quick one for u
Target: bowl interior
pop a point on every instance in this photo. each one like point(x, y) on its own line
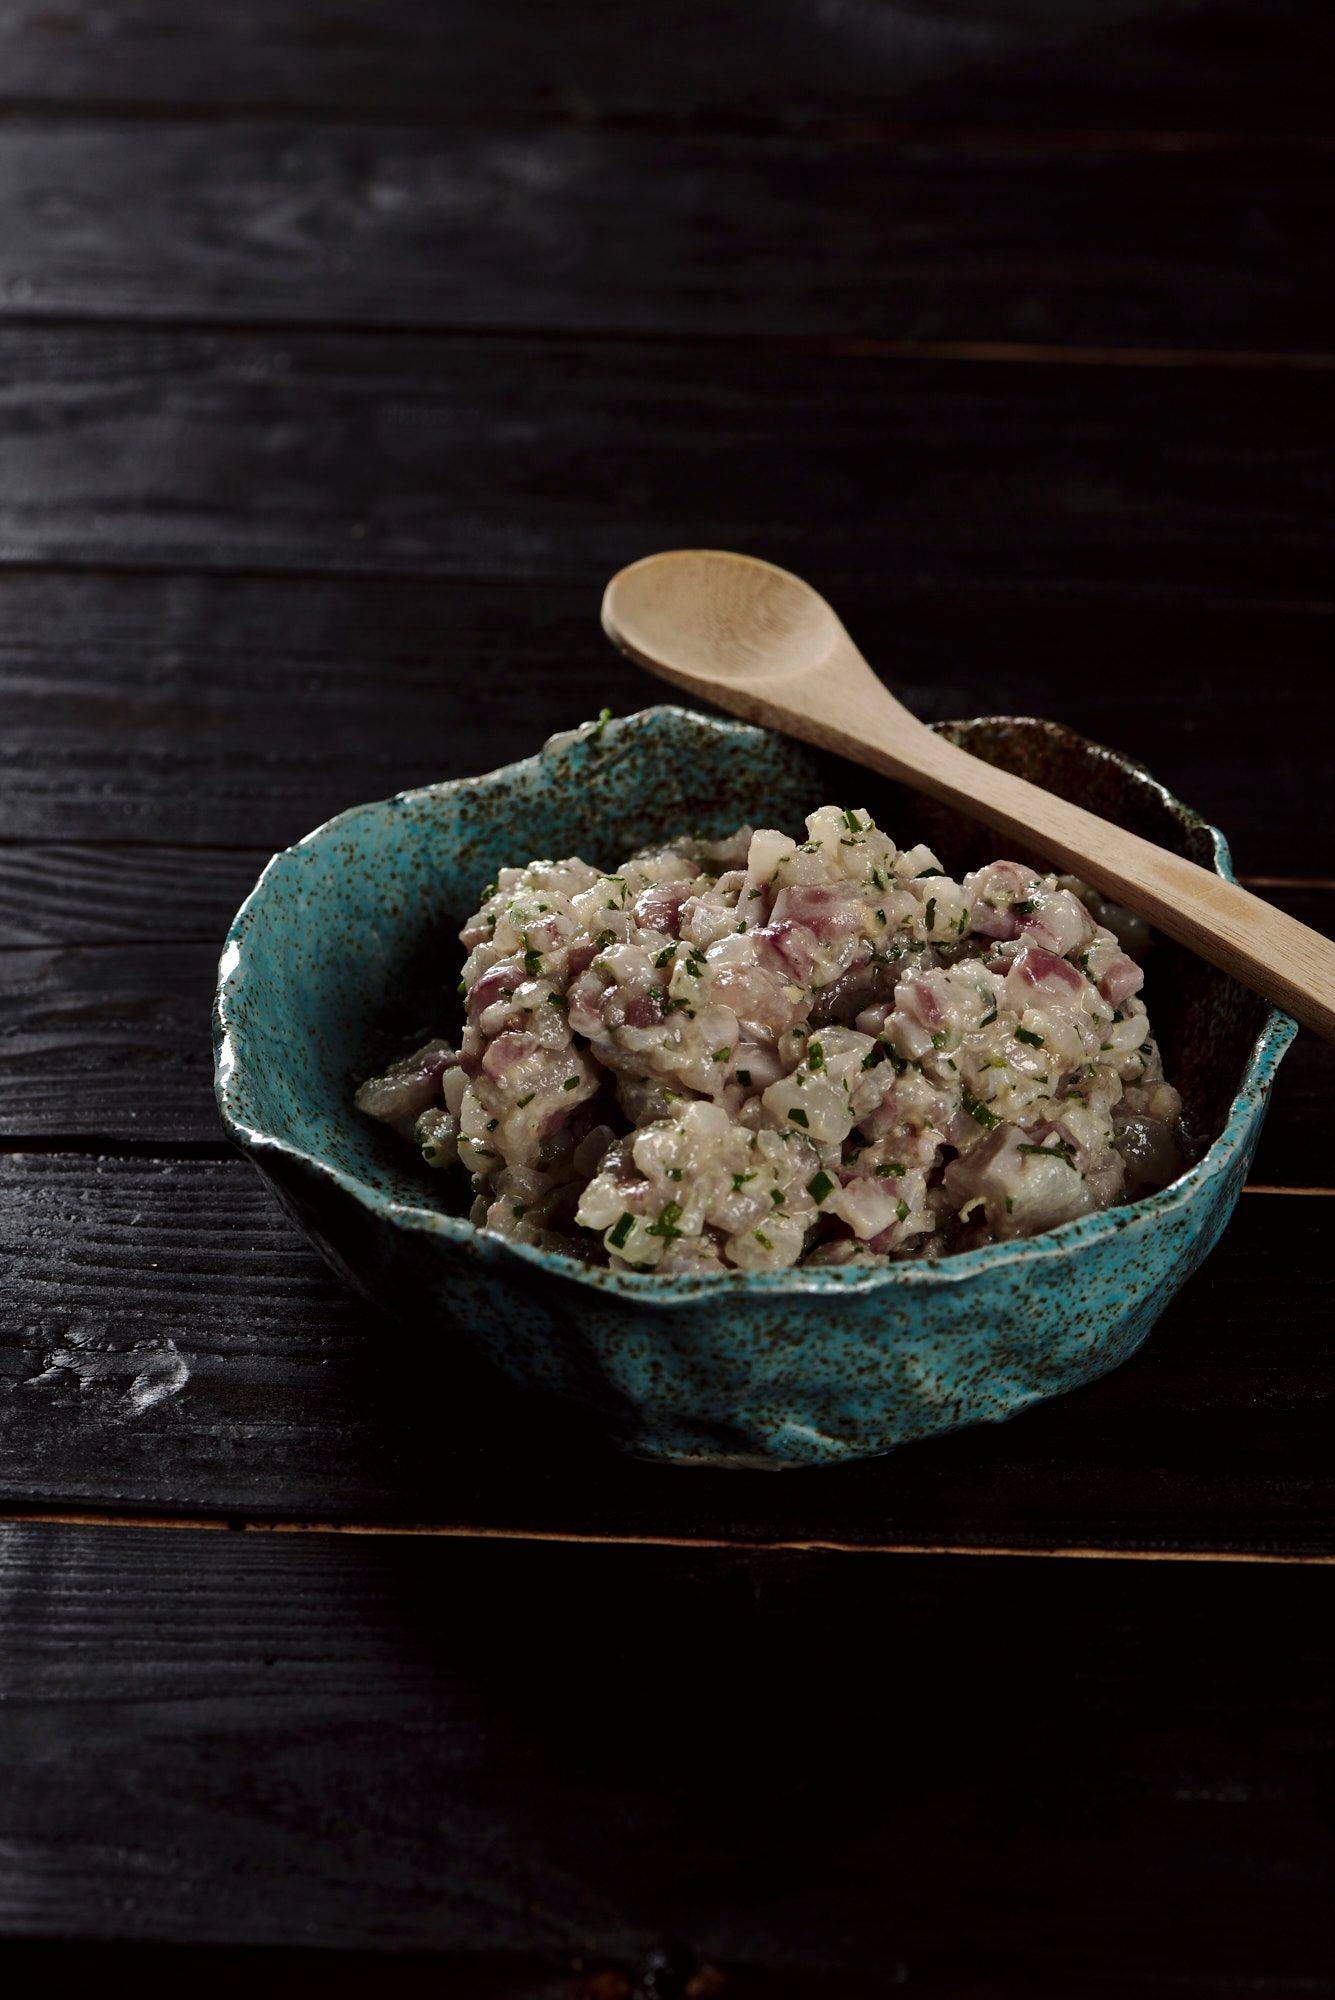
point(347, 953)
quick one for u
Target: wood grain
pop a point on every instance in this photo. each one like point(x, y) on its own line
point(1245, 64)
point(951, 1778)
point(80, 893)
point(543, 228)
point(173, 1345)
point(458, 457)
point(246, 710)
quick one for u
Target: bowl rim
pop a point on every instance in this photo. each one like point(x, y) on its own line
point(1276, 1034)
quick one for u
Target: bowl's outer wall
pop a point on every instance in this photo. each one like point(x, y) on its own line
point(349, 942)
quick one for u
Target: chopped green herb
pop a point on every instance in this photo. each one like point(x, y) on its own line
point(462, 990)
point(674, 1006)
point(929, 915)
point(1082, 960)
point(621, 1229)
point(558, 1000)
point(877, 879)
point(1057, 1152)
point(988, 1019)
point(1010, 1205)
point(763, 1240)
point(720, 1055)
point(799, 1117)
point(674, 1173)
point(604, 717)
point(492, 1123)
point(776, 1196)
point(851, 821)
point(872, 1057)
point(1034, 1041)
point(940, 1038)
point(742, 925)
point(604, 939)
point(819, 1186)
point(666, 956)
point(901, 1211)
point(526, 1099)
point(881, 917)
point(891, 1171)
point(815, 1056)
point(668, 1217)
point(739, 1181)
point(978, 1110)
point(923, 873)
point(518, 1208)
point(744, 1077)
point(571, 1083)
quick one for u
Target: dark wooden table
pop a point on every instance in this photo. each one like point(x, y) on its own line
point(346, 348)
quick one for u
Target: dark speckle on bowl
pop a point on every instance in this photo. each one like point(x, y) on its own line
point(346, 948)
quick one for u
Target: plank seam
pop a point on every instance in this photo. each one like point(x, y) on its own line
point(796, 1545)
point(1201, 600)
point(850, 131)
point(845, 347)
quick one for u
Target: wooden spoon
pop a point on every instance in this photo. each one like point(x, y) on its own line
point(762, 643)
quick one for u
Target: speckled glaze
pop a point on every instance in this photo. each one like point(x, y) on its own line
point(347, 944)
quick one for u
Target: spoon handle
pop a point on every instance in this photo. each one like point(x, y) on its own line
point(1258, 945)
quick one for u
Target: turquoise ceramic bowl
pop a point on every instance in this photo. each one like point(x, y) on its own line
point(345, 947)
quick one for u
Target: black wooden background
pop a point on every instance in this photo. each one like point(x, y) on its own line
point(345, 348)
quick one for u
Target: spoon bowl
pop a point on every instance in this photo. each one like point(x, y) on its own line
point(755, 623)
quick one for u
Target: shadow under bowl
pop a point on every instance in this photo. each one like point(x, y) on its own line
point(343, 953)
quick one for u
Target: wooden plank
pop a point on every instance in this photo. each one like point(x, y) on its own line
point(1254, 64)
point(544, 228)
point(78, 893)
point(172, 1345)
point(244, 711)
point(949, 1772)
point(104, 1042)
point(440, 456)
